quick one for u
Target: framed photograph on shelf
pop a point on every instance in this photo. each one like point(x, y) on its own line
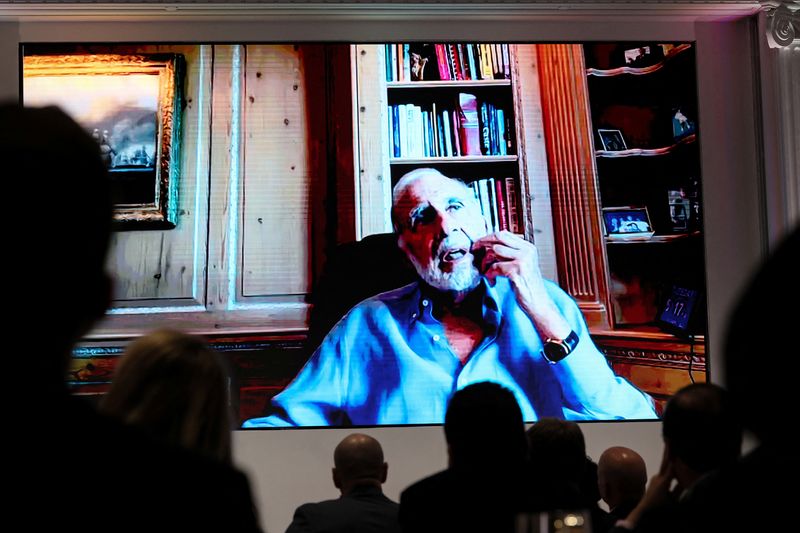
point(131, 105)
point(612, 140)
point(627, 223)
point(682, 126)
point(635, 56)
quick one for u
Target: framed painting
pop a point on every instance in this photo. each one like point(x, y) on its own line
point(131, 105)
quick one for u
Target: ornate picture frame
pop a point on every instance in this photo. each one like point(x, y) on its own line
point(132, 105)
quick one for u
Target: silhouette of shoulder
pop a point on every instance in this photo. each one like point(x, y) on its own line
point(100, 475)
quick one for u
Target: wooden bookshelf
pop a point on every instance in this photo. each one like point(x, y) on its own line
point(655, 111)
point(513, 91)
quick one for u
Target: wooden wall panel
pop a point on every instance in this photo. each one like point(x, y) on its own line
point(224, 193)
point(283, 144)
point(168, 265)
point(580, 249)
point(535, 182)
point(374, 182)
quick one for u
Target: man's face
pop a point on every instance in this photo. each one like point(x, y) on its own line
point(439, 220)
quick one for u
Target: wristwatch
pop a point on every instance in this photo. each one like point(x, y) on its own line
point(555, 350)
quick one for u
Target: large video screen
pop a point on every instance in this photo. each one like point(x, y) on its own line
point(364, 229)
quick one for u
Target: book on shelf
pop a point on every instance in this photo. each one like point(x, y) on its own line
point(486, 141)
point(511, 199)
point(467, 127)
point(400, 67)
point(495, 197)
point(494, 211)
point(486, 62)
point(406, 63)
point(468, 124)
point(502, 206)
point(500, 125)
point(447, 62)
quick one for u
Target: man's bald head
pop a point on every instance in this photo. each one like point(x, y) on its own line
point(621, 476)
point(358, 460)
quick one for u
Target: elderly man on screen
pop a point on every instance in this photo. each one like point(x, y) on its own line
point(481, 311)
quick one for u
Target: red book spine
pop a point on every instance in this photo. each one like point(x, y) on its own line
point(502, 214)
point(454, 61)
point(469, 129)
point(441, 62)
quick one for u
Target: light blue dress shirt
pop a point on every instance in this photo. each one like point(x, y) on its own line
point(388, 361)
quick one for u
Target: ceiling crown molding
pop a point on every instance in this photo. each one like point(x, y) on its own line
point(783, 22)
point(685, 10)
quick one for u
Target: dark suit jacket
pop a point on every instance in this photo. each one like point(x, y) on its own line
point(365, 509)
point(463, 501)
point(71, 468)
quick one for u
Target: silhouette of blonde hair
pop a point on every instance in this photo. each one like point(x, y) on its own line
point(175, 387)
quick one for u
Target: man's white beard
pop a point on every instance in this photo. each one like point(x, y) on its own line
point(463, 278)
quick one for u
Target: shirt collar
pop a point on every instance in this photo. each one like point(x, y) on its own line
point(424, 300)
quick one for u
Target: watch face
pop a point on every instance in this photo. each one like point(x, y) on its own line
point(554, 351)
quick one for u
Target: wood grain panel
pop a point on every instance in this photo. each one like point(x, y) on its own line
point(225, 174)
point(169, 265)
point(374, 176)
point(280, 147)
point(534, 177)
point(580, 252)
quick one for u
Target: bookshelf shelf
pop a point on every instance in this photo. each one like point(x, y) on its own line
point(655, 239)
point(480, 159)
point(647, 152)
point(447, 84)
point(638, 71)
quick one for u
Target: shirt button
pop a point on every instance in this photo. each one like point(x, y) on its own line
point(436, 338)
point(425, 303)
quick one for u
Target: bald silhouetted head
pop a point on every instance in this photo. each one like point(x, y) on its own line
point(621, 476)
point(358, 461)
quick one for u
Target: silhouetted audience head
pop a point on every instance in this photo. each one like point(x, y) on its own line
point(621, 476)
point(175, 387)
point(701, 429)
point(557, 448)
point(358, 461)
point(484, 428)
point(761, 363)
point(62, 181)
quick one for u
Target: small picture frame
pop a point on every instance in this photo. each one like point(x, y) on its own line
point(682, 125)
point(627, 223)
point(636, 55)
point(612, 140)
point(679, 210)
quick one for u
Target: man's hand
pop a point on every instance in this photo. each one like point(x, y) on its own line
point(515, 258)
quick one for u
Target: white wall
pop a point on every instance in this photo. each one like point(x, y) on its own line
point(290, 467)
